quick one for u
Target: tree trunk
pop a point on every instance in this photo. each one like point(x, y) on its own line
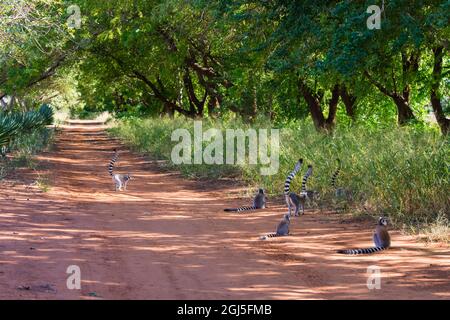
point(212, 105)
point(404, 112)
point(349, 102)
point(196, 106)
point(410, 66)
point(254, 109)
point(159, 95)
point(168, 111)
point(313, 105)
point(443, 122)
point(313, 101)
point(330, 122)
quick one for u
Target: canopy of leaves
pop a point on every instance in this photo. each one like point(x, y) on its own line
point(283, 59)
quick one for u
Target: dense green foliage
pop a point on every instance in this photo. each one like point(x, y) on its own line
point(23, 148)
point(14, 124)
point(400, 171)
point(282, 59)
point(376, 98)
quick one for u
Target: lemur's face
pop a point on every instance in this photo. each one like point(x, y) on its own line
point(383, 221)
point(287, 217)
point(261, 191)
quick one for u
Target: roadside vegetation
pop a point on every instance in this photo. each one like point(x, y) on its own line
point(22, 135)
point(402, 172)
point(377, 98)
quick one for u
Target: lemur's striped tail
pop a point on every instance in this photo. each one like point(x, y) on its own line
point(270, 235)
point(305, 178)
point(361, 251)
point(112, 162)
point(335, 174)
point(241, 209)
point(287, 183)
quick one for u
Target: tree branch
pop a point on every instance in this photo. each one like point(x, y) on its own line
point(380, 87)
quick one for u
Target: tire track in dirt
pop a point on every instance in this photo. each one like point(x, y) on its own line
point(168, 238)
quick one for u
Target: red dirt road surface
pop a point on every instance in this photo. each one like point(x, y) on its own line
point(168, 238)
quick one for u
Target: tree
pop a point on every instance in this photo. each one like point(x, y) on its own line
point(32, 43)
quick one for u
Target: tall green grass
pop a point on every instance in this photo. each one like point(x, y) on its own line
point(23, 148)
point(30, 144)
point(402, 172)
point(23, 133)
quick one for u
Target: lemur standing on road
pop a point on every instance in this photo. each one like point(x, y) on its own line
point(120, 180)
point(339, 192)
point(300, 200)
point(287, 185)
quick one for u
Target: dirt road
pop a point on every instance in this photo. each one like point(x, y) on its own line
point(168, 238)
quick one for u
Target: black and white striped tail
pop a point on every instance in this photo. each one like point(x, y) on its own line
point(112, 162)
point(241, 209)
point(361, 251)
point(270, 235)
point(287, 183)
point(335, 174)
point(305, 178)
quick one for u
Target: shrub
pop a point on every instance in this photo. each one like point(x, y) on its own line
point(403, 172)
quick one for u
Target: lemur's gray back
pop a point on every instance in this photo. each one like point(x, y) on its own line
point(287, 183)
point(282, 228)
point(299, 201)
point(120, 180)
point(381, 239)
point(259, 202)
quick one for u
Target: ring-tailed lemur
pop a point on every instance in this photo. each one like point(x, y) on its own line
point(259, 202)
point(120, 180)
point(310, 194)
point(335, 174)
point(339, 192)
point(299, 200)
point(287, 183)
point(381, 239)
point(282, 228)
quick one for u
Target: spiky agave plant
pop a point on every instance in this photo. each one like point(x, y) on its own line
point(46, 113)
point(13, 124)
point(28, 120)
point(9, 128)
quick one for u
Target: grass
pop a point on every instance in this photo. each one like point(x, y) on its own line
point(23, 149)
point(438, 230)
point(399, 172)
point(43, 183)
